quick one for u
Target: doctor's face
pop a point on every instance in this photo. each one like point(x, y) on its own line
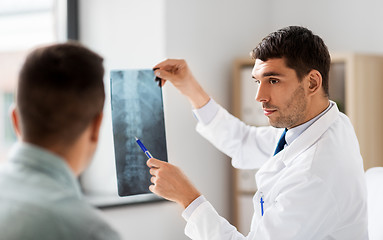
point(281, 93)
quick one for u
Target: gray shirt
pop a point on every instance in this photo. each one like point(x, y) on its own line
point(41, 199)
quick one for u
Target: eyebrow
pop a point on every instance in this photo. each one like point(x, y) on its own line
point(269, 74)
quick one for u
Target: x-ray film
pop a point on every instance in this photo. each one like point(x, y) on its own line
point(137, 111)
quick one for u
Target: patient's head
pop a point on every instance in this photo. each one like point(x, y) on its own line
point(60, 92)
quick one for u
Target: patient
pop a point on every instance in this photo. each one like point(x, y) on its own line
point(57, 118)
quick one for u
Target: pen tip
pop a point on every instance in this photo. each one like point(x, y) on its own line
point(136, 138)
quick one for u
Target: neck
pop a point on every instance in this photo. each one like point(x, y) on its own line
point(70, 155)
point(53, 147)
point(75, 154)
point(317, 108)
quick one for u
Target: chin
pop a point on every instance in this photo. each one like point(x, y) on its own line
point(274, 124)
point(281, 122)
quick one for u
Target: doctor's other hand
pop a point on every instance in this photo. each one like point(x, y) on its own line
point(178, 73)
point(170, 183)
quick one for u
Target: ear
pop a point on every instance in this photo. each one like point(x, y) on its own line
point(15, 120)
point(314, 82)
point(95, 128)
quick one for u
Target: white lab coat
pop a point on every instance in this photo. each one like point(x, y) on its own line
point(313, 189)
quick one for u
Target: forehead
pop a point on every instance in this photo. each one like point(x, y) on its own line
point(273, 66)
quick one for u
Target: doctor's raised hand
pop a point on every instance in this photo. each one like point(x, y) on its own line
point(178, 73)
point(170, 183)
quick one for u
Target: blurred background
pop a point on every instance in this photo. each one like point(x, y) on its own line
point(210, 35)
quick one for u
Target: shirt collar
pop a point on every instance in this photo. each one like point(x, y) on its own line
point(293, 133)
point(45, 162)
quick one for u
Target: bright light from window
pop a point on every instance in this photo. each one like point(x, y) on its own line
point(24, 24)
point(20, 32)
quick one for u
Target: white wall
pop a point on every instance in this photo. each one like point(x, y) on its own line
point(344, 25)
point(209, 34)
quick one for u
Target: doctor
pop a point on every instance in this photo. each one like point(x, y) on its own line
point(311, 179)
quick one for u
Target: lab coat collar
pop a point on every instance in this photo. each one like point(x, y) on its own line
point(310, 135)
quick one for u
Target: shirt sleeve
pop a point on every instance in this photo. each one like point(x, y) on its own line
point(206, 224)
point(248, 146)
point(205, 114)
point(192, 207)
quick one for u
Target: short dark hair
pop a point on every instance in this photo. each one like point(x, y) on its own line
point(60, 91)
point(302, 50)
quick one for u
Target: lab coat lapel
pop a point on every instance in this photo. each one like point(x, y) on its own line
point(310, 136)
point(285, 157)
point(275, 164)
point(268, 170)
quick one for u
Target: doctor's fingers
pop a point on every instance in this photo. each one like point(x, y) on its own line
point(172, 70)
point(167, 75)
point(154, 171)
point(154, 163)
point(171, 65)
point(153, 180)
point(156, 186)
point(164, 173)
point(163, 81)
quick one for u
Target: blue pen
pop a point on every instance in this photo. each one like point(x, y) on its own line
point(262, 202)
point(143, 148)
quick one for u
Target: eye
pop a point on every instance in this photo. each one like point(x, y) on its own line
point(273, 81)
point(257, 81)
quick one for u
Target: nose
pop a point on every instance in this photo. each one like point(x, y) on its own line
point(262, 93)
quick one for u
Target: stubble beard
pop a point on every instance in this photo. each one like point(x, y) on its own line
point(294, 112)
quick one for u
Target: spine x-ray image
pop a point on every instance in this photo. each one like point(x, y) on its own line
point(137, 111)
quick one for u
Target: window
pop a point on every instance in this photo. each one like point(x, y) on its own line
point(24, 24)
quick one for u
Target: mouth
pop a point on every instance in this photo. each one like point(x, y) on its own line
point(268, 112)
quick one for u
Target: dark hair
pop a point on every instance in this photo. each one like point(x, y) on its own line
point(302, 50)
point(60, 92)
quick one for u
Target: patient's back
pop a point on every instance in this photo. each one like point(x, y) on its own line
point(40, 199)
